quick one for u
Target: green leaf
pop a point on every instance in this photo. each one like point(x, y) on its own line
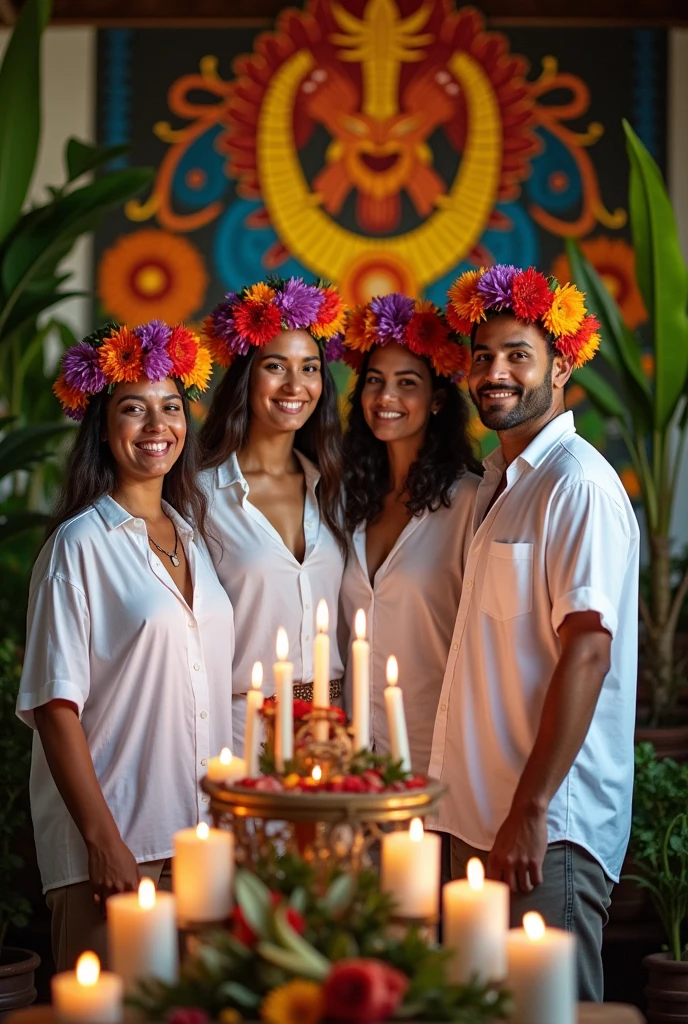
point(662, 275)
point(239, 994)
point(253, 896)
point(29, 307)
point(601, 394)
point(80, 157)
point(23, 448)
point(619, 346)
point(14, 523)
point(20, 103)
point(340, 894)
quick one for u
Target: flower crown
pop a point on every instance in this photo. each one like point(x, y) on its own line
point(531, 297)
point(418, 324)
point(115, 353)
point(256, 314)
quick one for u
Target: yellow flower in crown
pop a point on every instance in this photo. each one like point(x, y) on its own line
point(566, 313)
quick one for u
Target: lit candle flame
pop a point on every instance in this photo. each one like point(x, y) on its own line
point(534, 926)
point(282, 644)
point(226, 756)
point(392, 671)
point(146, 894)
point(88, 969)
point(360, 624)
point(476, 874)
point(257, 676)
point(316, 774)
point(416, 831)
point(202, 830)
point(322, 617)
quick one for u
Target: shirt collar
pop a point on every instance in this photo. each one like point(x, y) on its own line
point(539, 448)
point(230, 472)
point(115, 516)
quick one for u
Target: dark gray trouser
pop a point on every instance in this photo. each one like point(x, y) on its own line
point(574, 895)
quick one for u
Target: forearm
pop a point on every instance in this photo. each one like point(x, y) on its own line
point(69, 759)
point(566, 716)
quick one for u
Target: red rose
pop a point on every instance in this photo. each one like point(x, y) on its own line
point(363, 991)
point(187, 1015)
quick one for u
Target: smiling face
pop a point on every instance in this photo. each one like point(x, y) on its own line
point(145, 428)
point(286, 381)
point(514, 376)
point(398, 398)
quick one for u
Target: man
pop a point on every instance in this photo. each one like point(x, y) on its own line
point(534, 731)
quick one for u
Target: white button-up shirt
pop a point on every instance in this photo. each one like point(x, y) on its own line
point(411, 610)
point(561, 538)
point(150, 677)
point(267, 585)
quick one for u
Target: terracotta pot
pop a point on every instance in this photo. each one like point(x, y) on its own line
point(671, 742)
point(17, 967)
point(666, 990)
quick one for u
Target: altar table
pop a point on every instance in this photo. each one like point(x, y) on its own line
point(588, 1013)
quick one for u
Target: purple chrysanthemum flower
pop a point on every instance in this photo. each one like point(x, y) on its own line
point(223, 325)
point(152, 335)
point(299, 303)
point(157, 363)
point(495, 286)
point(334, 348)
point(82, 369)
point(393, 312)
point(74, 414)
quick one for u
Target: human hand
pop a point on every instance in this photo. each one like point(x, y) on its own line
point(112, 868)
point(519, 850)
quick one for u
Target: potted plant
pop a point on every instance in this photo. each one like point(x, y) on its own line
point(651, 416)
point(17, 966)
point(659, 849)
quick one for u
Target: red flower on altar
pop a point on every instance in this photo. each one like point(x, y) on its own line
point(531, 295)
point(363, 991)
point(258, 321)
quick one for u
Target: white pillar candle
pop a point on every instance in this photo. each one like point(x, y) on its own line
point(410, 871)
point(283, 671)
point(360, 656)
point(142, 935)
point(226, 768)
point(475, 924)
point(203, 874)
point(396, 720)
point(87, 995)
point(254, 702)
point(541, 973)
point(321, 668)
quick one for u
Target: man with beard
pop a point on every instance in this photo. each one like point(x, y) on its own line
point(534, 731)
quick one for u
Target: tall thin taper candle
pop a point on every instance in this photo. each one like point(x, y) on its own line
point(394, 700)
point(284, 692)
point(321, 668)
point(254, 702)
point(360, 655)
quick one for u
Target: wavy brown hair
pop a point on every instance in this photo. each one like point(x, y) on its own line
point(91, 470)
point(226, 428)
point(445, 455)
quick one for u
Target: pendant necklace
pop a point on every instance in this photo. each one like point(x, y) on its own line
point(172, 555)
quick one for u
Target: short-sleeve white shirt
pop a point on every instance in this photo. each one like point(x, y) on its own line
point(267, 585)
point(109, 631)
point(411, 610)
point(561, 538)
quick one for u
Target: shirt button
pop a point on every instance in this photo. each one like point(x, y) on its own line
point(307, 638)
point(455, 647)
point(192, 624)
point(138, 523)
point(443, 707)
point(309, 522)
point(205, 799)
point(203, 761)
point(197, 667)
point(308, 607)
point(469, 584)
point(204, 714)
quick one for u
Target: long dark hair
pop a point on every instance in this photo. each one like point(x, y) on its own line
point(226, 427)
point(445, 455)
point(91, 470)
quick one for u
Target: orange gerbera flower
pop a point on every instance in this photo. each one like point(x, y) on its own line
point(566, 313)
point(465, 301)
point(217, 347)
point(361, 332)
point(331, 315)
point(451, 360)
point(120, 356)
point(183, 349)
point(425, 331)
point(71, 398)
point(260, 292)
point(199, 376)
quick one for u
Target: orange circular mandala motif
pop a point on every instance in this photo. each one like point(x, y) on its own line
point(152, 274)
point(614, 261)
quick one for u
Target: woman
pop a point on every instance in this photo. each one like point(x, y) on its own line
point(130, 634)
point(271, 447)
point(410, 480)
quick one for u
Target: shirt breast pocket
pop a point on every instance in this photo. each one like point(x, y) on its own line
point(508, 585)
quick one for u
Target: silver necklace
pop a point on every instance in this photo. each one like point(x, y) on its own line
point(172, 555)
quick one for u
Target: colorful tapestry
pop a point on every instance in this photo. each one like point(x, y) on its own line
point(383, 144)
